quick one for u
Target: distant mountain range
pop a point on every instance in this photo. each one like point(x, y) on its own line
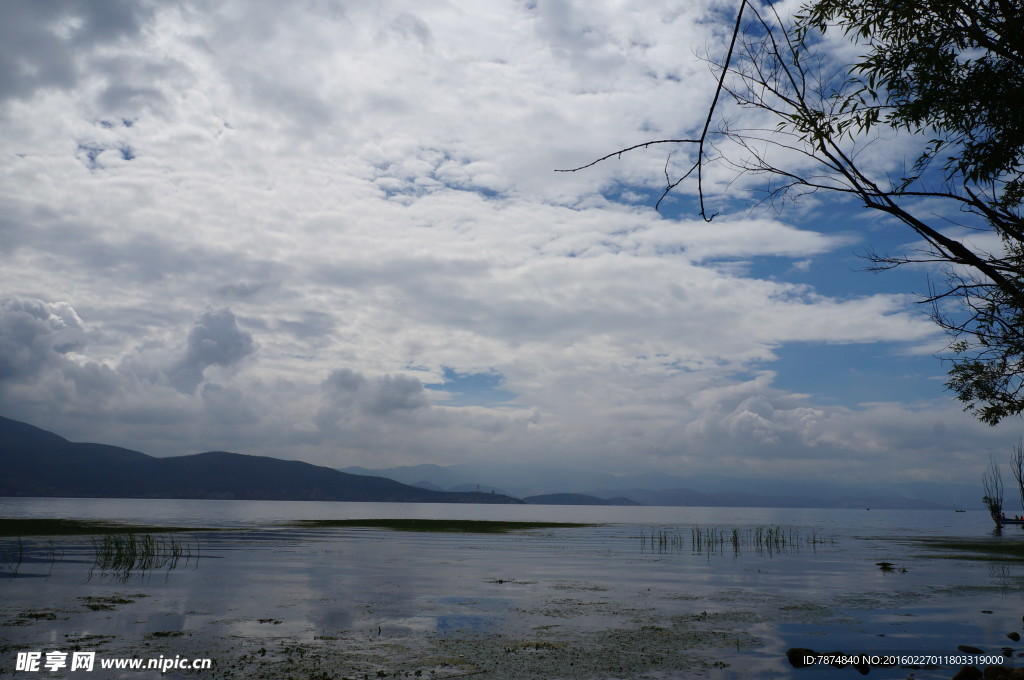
point(34, 462)
point(530, 482)
point(575, 499)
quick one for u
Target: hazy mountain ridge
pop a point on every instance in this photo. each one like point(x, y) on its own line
point(662, 489)
point(39, 463)
point(575, 499)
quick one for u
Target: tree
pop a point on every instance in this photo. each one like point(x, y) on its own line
point(992, 484)
point(1017, 467)
point(948, 72)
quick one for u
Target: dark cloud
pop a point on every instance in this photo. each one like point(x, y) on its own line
point(35, 335)
point(127, 97)
point(310, 325)
point(41, 42)
point(394, 393)
point(242, 290)
point(228, 405)
point(215, 340)
point(349, 396)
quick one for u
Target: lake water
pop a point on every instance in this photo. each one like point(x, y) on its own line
point(634, 597)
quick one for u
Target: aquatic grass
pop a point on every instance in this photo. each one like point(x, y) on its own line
point(708, 540)
point(970, 548)
point(75, 527)
point(124, 549)
point(53, 554)
point(126, 554)
point(462, 526)
point(12, 555)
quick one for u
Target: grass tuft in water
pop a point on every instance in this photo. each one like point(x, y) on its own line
point(12, 555)
point(125, 554)
point(771, 539)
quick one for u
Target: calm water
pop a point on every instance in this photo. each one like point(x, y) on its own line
point(500, 603)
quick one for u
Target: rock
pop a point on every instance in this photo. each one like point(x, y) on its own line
point(967, 649)
point(796, 656)
point(1017, 674)
point(1014, 635)
point(997, 671)
point(968, 673)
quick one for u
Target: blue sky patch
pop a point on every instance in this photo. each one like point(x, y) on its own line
point(473, 389)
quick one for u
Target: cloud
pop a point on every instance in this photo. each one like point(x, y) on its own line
point(35, 335)
point(215, 340)
point(45, 361)
point(265, 227)
point(41, 43)
point(348, 393)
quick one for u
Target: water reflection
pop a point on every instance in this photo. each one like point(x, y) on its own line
point(16, 553)
point(116, 557)
point(567, 594)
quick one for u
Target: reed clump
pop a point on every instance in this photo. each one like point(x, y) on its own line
point(709, 540)
point(127, 554)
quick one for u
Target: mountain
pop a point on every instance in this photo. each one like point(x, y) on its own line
point(516, 480)
point(575, 499)
point(40, 463)
point(735, 499)
point(708, 490)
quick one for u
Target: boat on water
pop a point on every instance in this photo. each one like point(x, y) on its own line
point(1004, 520)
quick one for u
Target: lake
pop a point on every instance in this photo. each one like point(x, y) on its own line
point(650, 592)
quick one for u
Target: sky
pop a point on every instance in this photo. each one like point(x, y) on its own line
point(332, 232)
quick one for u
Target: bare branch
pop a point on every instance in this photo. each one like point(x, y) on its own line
point(618, 154)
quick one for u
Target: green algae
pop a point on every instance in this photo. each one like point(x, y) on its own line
point(75, 527)
point(985, 549)
point(461, 526)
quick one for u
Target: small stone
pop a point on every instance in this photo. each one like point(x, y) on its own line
point(967, 649)
point(997, 671)
point(1014, 635)
point(796, 656)
point(968, 673)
